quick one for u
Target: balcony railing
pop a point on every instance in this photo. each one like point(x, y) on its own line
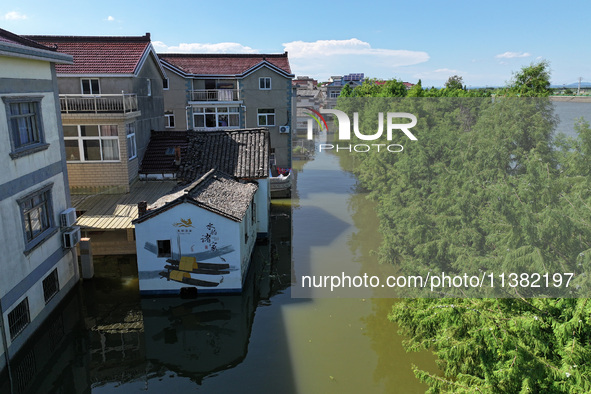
point(104, 103)
point(214, 95)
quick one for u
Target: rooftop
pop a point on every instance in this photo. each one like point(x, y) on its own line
point(241, 153)
point(21, 46)
point(223, 64)
point(160, 154)
point(116, 211)
point(99, 54)
point(215, 191)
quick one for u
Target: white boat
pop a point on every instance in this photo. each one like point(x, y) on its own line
point(280, 185)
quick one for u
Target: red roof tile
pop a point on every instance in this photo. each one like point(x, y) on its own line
point(223, 64)
point(98, 55)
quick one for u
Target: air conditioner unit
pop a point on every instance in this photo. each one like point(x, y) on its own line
point(68, 217)
point(71, 237)
point(284, 129)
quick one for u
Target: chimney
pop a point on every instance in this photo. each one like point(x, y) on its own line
point(142, 208)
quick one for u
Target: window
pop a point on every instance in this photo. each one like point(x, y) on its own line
point(90, 86)
point(266, 117)
point(149, 82)
point(265, 83)
point(164, 248)
point(25, 125)
point(19, 318)
point(51, 286)
point(92, 143)
point(131, 146)
point(216, 117)
point(165, 84)
point(334, 94)
point(37, 215)
point(169, 117)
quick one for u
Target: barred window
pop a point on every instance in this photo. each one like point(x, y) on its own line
point(19, 318)
point(50, 286)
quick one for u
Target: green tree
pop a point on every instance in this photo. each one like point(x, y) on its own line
point(454, 82)
point(531, 81)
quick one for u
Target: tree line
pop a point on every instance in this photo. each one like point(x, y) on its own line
point(487, 187)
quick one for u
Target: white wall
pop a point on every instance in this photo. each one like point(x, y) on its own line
point(230, 247)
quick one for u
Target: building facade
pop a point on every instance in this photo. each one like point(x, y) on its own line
point(111, 97)
point(215, 92)
point(39, 262)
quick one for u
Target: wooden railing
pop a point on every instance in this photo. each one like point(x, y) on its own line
point(104, 103)
point(214, 95)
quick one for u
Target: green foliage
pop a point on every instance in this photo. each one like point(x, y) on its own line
point(454, 82)
point(486, 188)
point(531, 81)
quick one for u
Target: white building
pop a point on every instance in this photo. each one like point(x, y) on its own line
point(37, 268)
point(199, 236)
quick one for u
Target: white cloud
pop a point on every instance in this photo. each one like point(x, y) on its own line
point(14, 16)
point(512, 55)
point(323, 58)
point(110, 18)
point(222, 47)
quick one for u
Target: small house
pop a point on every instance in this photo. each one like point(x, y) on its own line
point(199, 236)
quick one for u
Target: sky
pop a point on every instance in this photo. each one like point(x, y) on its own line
point(484, 42)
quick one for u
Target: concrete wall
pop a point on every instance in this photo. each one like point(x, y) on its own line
point(176, 98)
point(279, 97)
point(23, 270)
point(103, 177)
point(151, 106)
point(107, 85)
point(229, 244)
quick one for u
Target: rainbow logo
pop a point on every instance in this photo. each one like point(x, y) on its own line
point(317, 118)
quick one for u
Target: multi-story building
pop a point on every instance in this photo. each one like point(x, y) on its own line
point(111, 97)
point(219, 91)
point(39, 262)
point(336, 84)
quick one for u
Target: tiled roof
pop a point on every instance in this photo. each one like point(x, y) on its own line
point(98, 55)
point(6, 36)
point(241, 153)
point(215, 191)
point(160, 154)
point(223, 64)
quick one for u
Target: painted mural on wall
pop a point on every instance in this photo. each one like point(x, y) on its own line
point(201, 254)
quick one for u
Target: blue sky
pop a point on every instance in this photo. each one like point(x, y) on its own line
point(484, 42)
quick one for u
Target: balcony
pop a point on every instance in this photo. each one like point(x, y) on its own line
point(104, 103)
point(203, 95)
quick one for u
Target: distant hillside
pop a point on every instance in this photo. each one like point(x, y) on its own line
point(573, 85)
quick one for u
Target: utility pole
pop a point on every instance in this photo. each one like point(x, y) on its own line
point(579, 89)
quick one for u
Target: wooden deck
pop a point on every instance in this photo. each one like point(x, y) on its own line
point(116, 211)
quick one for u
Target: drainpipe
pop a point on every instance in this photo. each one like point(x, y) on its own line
point(187, 115)
point(5, 345)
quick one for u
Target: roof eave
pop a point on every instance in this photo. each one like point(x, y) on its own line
point(22, 51)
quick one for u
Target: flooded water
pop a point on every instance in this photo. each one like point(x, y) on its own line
point(263, 341)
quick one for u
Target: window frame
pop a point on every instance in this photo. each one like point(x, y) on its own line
point(266, 116)
point(91, 91)
point(168, 117)
point(50, 229)
point(165, 84)
point(130, 138)
point(265, 83)
point(22, 149)
point(149, 86)
point(15, 331)
point(217, 114)
point(51, 286)
point(163, 248)
point(80, 139)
